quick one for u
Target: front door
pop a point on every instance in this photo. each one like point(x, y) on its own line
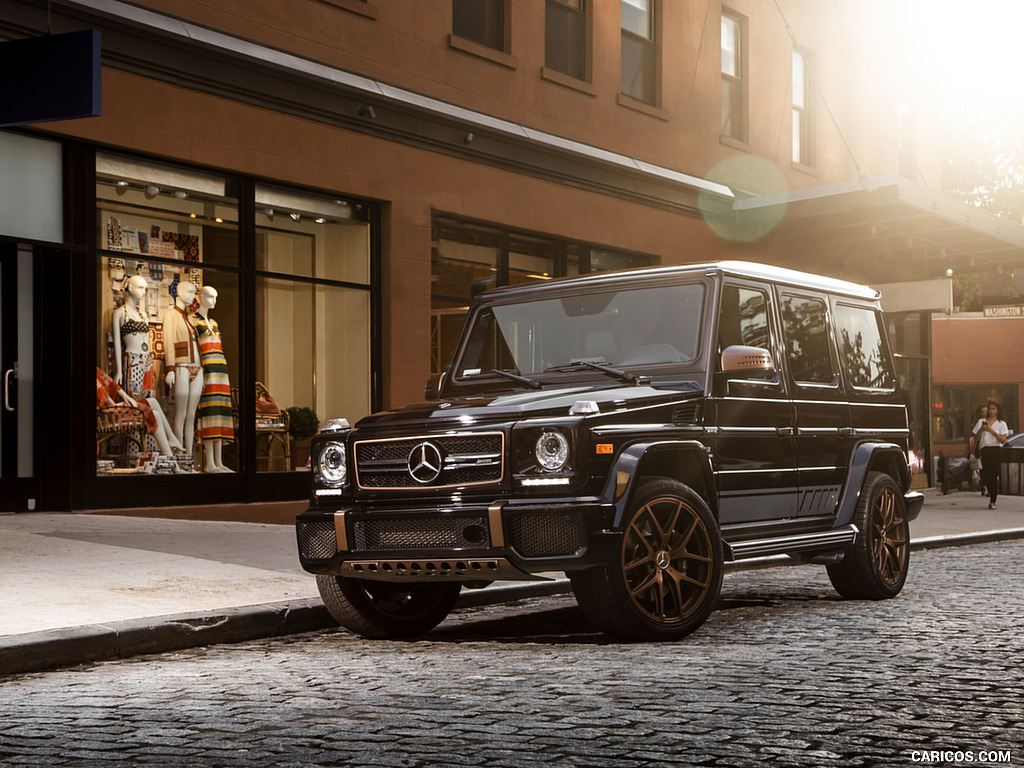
point(19, 486)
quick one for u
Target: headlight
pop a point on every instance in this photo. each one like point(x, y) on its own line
point(552, 450)
point(331, 464)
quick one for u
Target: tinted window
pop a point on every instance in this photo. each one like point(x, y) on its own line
point(807, 348)
point(743, 318)
point(864, 356)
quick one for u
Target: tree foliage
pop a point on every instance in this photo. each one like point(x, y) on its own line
point(984, 160)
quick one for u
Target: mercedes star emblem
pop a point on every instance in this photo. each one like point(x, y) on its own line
point(425, 463)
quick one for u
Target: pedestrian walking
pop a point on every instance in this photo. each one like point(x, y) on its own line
point(989, 435)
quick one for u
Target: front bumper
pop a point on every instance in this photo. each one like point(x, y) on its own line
point(505, 540)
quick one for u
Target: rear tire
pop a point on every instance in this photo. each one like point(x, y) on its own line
point(875, 565)
point(668, 574)
point(384, 609)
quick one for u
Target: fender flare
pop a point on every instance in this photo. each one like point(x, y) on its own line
point(864, 455)
point(623, 477)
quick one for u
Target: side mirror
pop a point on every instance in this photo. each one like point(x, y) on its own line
point(433, 388)
point(741, 362)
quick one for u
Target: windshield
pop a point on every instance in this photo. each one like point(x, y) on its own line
point(643, 326)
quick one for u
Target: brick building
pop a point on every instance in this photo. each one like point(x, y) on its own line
point(345, 174)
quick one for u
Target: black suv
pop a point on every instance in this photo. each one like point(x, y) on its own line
point(635, 430)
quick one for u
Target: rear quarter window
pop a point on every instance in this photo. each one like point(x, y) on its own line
point(862, 350)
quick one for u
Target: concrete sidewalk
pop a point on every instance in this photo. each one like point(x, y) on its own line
point(82, 587)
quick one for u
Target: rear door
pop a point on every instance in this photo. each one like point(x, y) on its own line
point(823, 429)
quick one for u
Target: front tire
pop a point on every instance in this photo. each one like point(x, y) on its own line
point(383, 609)
point(875, 566)
point(668, 573)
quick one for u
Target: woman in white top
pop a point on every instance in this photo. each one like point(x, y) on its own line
point(990, 433)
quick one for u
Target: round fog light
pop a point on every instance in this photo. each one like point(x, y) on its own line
point(552, 450)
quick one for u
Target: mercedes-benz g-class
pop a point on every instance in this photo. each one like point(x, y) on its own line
point(636, 431)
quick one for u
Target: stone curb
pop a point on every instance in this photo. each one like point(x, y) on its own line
point(38, 651)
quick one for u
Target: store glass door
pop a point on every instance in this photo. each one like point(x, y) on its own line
point(19, 487)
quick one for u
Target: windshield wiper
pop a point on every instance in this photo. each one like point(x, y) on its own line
point(618, 373)
point(531, 383)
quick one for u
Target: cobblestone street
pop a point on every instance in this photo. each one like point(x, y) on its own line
point(784, 673)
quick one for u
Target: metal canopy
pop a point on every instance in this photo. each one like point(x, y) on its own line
point(887, 227)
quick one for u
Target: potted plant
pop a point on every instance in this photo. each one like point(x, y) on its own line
point(302, 425)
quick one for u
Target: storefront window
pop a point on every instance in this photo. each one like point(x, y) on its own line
point(171, 341)
point(469, 258)
point(313, 320)
point(168, 320)
point(955, 410)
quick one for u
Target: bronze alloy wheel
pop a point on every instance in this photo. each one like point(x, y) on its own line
point(875, 566)
point(666, 579)
point(666, 560)
point(889, 533)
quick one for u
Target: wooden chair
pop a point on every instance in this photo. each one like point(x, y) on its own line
point(120, 421)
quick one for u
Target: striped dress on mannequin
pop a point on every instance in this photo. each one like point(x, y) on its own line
point(214, 417)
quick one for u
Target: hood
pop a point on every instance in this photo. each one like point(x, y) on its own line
point(479, 410)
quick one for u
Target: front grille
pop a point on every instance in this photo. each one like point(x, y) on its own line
point(546, 534)
point(465, 459)
point(317, 540)
point(436, 532)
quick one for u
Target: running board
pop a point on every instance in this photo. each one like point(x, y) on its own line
point(784, 545)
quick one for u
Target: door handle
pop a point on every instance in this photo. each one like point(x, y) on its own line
point(7, 387)
point(785, 431)
point(847, 431)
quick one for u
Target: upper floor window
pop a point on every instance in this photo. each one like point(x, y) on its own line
point(640, 50)
point(803, 115)
point(734, 89)
point(565, 37)
point(481, 21)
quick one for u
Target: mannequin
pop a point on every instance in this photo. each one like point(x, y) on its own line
point(216, 422)
point(184, 371)
point(133, 363)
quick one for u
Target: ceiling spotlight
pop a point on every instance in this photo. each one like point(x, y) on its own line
point(152, 191)
point(295, 216)
point(180, 194)
point(367, 111)
point(949, 272)
point(269, 213)
point(321, 220)
point(120, 187)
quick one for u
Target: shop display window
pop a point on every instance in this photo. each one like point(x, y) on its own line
point(168, 320)
point(313, 320)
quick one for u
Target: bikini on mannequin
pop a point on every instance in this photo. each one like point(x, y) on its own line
point(133, 363)
point(184, 370)
point(216, 424)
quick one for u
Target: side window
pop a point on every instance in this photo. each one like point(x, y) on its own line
point(744, 318)
point(865, 359)
point(807, 345)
